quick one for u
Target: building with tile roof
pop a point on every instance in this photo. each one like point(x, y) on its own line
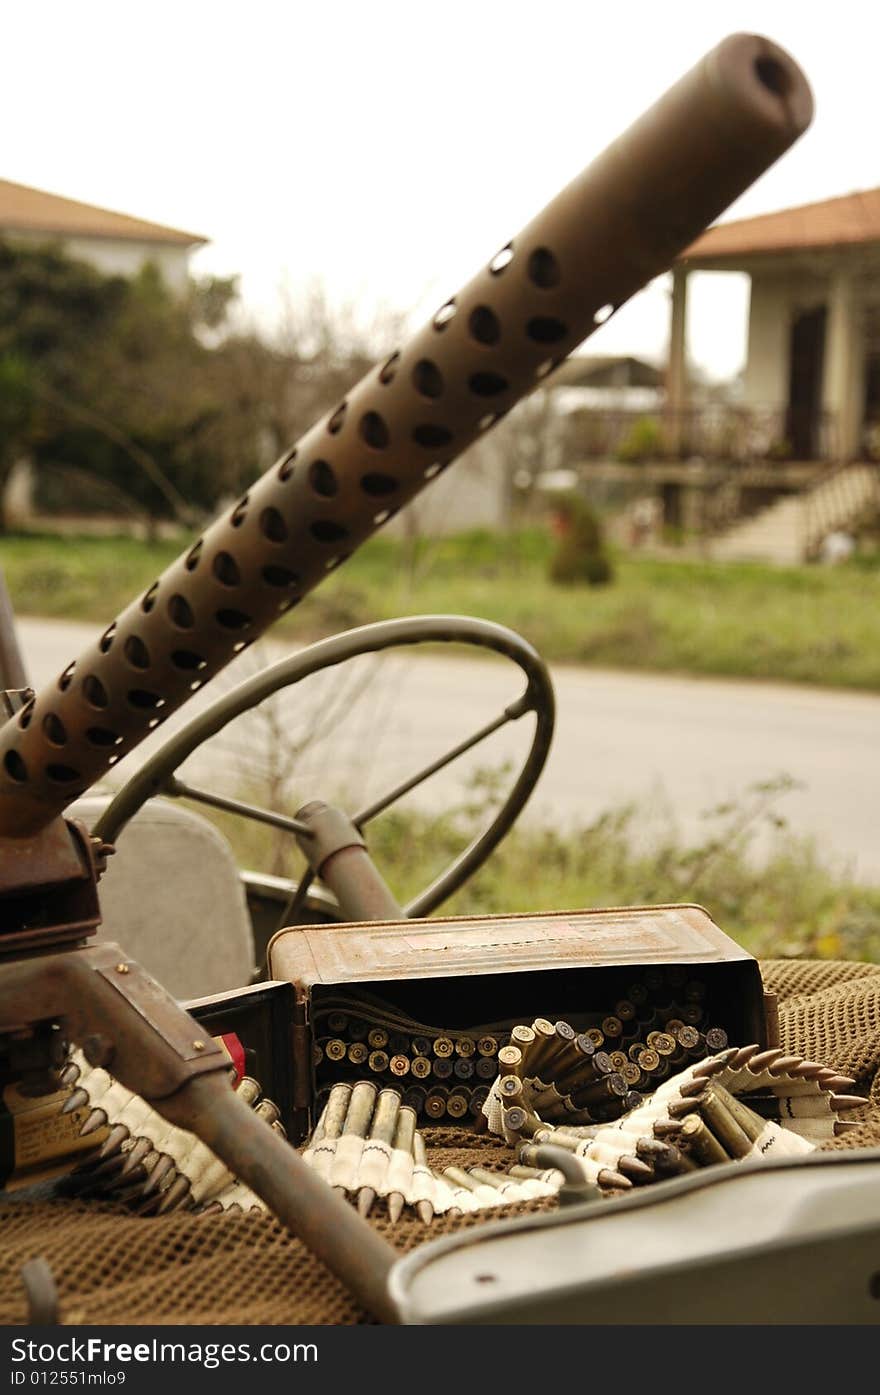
point(814, 321)
point(115, 243)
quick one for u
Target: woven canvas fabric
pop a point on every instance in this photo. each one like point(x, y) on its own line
point(113, 1267)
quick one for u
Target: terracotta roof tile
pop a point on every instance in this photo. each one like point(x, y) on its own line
point(844, 221)
point(33, 210)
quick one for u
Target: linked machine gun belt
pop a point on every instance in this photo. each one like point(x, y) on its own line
point(620, 223)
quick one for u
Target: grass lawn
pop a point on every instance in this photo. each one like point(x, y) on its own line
point(791, 901)
point(803, 624)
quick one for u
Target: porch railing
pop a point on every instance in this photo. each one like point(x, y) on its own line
point(712, 433)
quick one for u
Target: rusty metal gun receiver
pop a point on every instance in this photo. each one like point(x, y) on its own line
point(617, 225)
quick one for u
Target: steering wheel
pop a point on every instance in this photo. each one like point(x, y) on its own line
point(158, 774)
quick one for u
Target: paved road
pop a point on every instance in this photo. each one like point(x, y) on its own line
point(676, 745)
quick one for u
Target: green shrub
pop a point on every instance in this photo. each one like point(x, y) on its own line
point(580, 552)
point(644, 440)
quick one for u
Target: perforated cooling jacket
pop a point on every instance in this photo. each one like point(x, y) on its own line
point(619, 223)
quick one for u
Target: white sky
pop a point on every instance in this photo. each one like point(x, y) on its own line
point(389, 148)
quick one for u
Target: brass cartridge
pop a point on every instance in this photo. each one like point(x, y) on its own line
point(360, 1109)
point(544, 1047)
point(334, 1113)
point(702, 1143)
point(750, 1123)
point(724, 1126)
point(457, 1106)
point(414, 1098)
point(435, 1103)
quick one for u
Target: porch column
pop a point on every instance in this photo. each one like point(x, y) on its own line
point(842, 371)
point(676, 368)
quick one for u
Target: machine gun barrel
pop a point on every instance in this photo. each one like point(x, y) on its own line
point(617, 225)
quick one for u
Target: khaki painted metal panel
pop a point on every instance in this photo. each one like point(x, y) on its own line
point(439, 948)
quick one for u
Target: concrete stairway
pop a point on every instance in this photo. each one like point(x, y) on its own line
point(789, 531)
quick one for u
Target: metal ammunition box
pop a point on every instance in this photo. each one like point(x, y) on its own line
point(459, 973)
point(263, 1019)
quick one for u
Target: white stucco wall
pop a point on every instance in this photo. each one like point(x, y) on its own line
point(774, 303)
point(771, 308)
point(121, 256)
point(470, 494)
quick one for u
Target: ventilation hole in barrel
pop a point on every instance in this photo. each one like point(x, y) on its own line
point(193, 557)
point(446, 313)
point(377, 485)
point(322, 477)
point(62, 774)
point(149, 599)
point(488, 420)
point(374, 430)
point(15, 767)
point(25, 715)
point(544, 368)
point(102, 736)
point(180, 613)
point(432, 436)
point(501, 260)
point(427, 378)
point(773, 75)
point(94, 691)
point(188, 660)
point(487, 384)
point(388, 369)
point(325, 530)
point(285, 469)
point(198, 683)
point(383, 516)
point(272, 526)
point(484, 325)
point(66, 678)
point(136, 652)
point(543, 268)
point(602, 314)
point(111, 760)
point(279, 576)
point(232, 619)
point(144, 699)
point(242, 644)
point(106, 640)
point(225, 569)
point(544, 329)
point(433, 470)
point(288, 604)
point(336, 422)
point(54, 729)
point(239, 513)
point(153, 722)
